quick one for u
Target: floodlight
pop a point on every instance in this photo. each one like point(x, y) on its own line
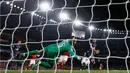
point(109, 30)
point(91, 27)
point(18, 7)
point(104, 30)
point(63, 16)
point(21, 8)
point(14, 5)
point(45, 6)
point(7, 3)
point(77, 22)
point(33, 13)
point(11, 4)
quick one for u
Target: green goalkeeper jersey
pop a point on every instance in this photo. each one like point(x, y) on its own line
point(52, 50)
point(64, 45)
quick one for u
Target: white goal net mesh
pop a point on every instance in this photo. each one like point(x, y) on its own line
point(39, 23)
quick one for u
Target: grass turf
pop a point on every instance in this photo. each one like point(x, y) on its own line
point(66, 71)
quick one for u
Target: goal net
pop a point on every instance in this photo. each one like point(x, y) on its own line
point(101, 29)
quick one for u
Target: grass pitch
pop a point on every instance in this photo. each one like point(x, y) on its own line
point(66, 71)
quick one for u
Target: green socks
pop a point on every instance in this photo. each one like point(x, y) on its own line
point(35, 65)
point(45, 64)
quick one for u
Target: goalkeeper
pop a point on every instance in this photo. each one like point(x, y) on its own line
point(52, 51)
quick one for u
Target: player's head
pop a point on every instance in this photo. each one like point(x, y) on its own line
point(94, 40)
point(74, 40)
point(19, 41)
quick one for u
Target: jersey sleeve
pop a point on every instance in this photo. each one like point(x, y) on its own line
point(90, 44)
point(72, 53)
point(66, 41)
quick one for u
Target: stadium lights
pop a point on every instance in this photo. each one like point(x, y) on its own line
point(45, 6)
point(77, 22)
point(109, 30)
point(21, 8)
point(14, 5)
point(52, 21)
point(7, 3)
point(33, 13)
point(113, 30)
point(63, 16)
point(91, 27)
point(18, 7)
point(104, 30)
point(11, 4)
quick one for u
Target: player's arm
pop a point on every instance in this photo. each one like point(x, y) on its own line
point(91, 46)
point(32, 52)
point(73, 54)
point(94, 50)
point(73, 42)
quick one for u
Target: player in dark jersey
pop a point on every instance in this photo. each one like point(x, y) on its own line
point(92, 52)
point(15, 54)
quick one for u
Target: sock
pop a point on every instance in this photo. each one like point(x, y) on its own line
point(46, 64)
point(36, 64)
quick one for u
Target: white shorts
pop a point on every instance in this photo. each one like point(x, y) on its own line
point(32, 62)
point(63, 58)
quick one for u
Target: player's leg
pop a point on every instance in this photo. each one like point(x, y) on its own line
point(51, 47)
point(10, 65)
point(37, 62)
point(92, 62)
point(46, 64)
point(31, 62)
point(32, 52)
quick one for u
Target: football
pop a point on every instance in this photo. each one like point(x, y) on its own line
point(85, 61)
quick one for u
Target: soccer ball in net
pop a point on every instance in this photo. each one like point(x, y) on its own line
point(85, 61)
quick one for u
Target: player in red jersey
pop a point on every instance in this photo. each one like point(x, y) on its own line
point(32, 61)
point(62, 60)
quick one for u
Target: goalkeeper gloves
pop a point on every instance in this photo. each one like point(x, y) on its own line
point(78, 57)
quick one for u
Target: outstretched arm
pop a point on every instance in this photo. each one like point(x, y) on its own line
point(73, 54)
point(32, 52)
point(73, 42)
point(92, 46)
